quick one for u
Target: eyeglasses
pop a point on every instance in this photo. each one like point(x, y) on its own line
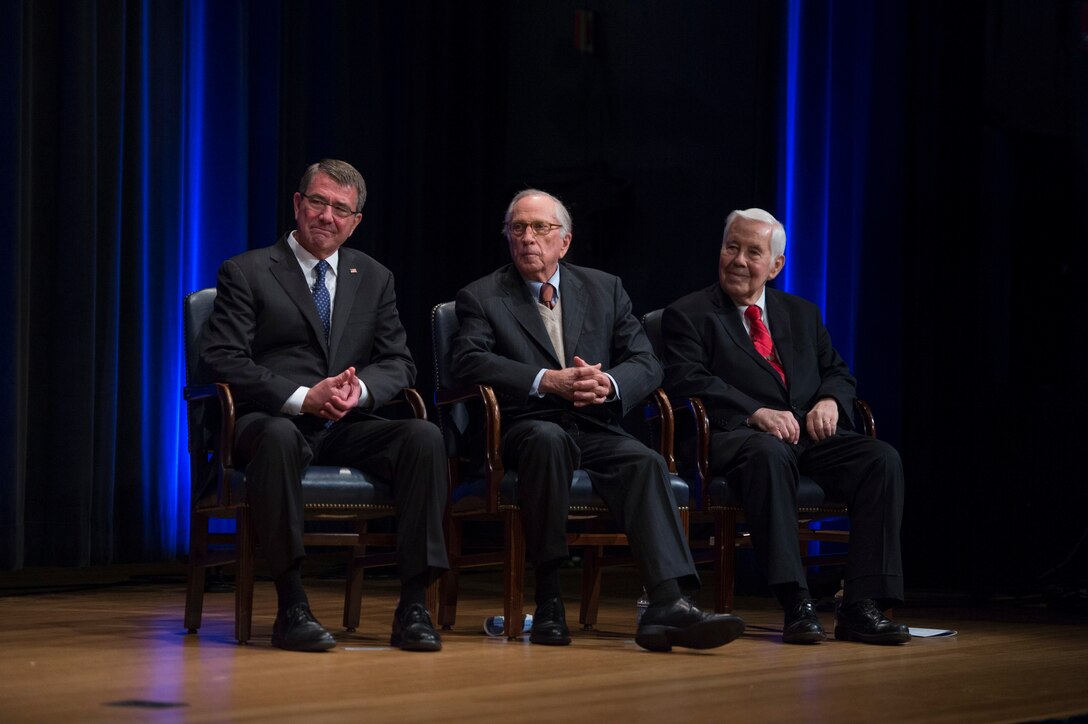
point(540, 228)
point(317, 204)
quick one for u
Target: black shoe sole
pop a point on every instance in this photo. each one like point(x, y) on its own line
point(708, 634)
point(808, 637)
point(318, 645)
point(549, 640)
point(843, 633)
point(396, 642)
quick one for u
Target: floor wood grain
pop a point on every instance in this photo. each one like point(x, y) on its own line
point(116, 651)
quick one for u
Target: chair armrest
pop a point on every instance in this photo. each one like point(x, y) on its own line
point(220, 390)
point(492, 431)
point(658, 412)
point(865, 415)
point(224, 448)
point(702, 439)
point(410, 396)
point(702, 450)
point(693, 408)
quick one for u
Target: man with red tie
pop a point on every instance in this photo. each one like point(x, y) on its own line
point(779, 399)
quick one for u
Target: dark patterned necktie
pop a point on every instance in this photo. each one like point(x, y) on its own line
point(547, 295)
point(761, 338)
point(321, 297)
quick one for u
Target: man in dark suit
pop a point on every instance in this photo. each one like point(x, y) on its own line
point(780, 405)
point(308, 336)
point(560, 347)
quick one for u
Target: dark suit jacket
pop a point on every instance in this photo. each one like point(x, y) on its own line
point(708, 354)
point(264, 336)
point(502, 342)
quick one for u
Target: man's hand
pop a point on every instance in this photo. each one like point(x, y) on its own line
point(779, 423)
point(822, 419)
point(333, 397)
point(583, 384)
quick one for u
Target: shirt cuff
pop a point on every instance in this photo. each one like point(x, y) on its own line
point(293, 406)
point(534, 391)
point(615, 389)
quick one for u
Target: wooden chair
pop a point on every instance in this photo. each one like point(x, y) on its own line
point(481, 488)
point(218, 491)
point(714, 498)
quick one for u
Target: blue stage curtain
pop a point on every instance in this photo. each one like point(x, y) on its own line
point(131, 177)
point(149, 140)
point(839, 132)
point(840, 181)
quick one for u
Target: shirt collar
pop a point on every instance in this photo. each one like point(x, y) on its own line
point(307, 260)
point(761, 303)
point(534, 286)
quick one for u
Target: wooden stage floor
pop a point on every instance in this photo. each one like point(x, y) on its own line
point(113, 649)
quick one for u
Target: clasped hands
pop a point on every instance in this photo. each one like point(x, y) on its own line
point(334, 397)
point(820, 422)
point(583, 384)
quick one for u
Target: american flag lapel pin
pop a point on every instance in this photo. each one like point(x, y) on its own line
point(353, 270)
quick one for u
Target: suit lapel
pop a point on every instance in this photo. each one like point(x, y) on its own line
point(781, 334)
point(574, 299)
point(347, 285)
point(730, 318)
point(523, 308)
point(285, 269)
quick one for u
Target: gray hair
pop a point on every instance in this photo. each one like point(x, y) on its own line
point(778, 232)
point(342, 173)
point(561, 213)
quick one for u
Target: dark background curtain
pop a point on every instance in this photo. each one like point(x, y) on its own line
point(928, 159)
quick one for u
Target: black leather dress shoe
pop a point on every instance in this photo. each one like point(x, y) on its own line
point(550, 624)
point(413, 630)
point(296, 629)
point(680, 623)
point(864, 621)
point(802, 625)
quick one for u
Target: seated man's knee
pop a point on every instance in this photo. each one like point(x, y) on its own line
point(767, 450)
point(647, 458)
point(544, 436)
point(423, 434)
point(272, 439)
point(280, 432)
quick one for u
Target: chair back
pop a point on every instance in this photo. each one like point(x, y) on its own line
point(453, 419)
point(651, 323)
point(196, 309)
point(444, 326)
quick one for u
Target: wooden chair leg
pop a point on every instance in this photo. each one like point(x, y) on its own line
point(591, 586)
point(432, 596)
point(243, 587)
point(514, 575)
point(447, 589)
point(194, 585)
point(725, 559)
point(353, 589)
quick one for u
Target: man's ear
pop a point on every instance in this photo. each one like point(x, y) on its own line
point(777, 266)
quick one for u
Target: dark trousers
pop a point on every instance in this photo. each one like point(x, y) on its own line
point(408, 453)
point(631, 479)
point(861, 471)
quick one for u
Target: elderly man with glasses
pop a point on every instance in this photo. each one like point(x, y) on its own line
point(559, 345)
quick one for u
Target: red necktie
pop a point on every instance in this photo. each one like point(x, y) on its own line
point(547, 295)
point(761, 338)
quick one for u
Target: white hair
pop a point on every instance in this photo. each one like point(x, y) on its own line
point(561, 213)
point(778, 232)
